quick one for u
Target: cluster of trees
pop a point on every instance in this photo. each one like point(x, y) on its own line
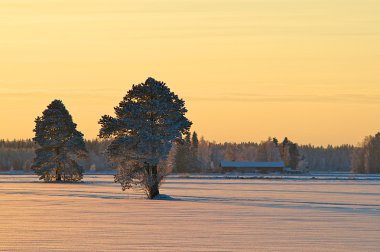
point(16, 155)
point(195, 155)
point(366, 156)
point(204, 156)
point(184, 156)
point(149, 136)
point(286, 151)
point(139, 139)
point(330, 158)
point(199, 155)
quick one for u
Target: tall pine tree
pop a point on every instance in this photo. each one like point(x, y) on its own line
point(148, 120)
point(60, 144)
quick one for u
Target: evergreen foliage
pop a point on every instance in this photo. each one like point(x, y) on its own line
point(268, 151)
point(195, 167)
point(182, 158)
point(366, 157)
point(186, 158)
point(18, 155)
point(60, 144)
point(289, 153)
point(148, 120)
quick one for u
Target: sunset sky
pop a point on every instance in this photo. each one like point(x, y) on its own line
point(247, 69)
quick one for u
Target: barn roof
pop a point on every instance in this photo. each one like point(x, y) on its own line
point(251, 164)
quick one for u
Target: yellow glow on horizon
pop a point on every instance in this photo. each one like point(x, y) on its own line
point(247, 69)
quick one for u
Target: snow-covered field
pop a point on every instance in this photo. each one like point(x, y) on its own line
point(201, 214)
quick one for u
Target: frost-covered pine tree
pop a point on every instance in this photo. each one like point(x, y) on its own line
point(148, 120)
point(60, 145)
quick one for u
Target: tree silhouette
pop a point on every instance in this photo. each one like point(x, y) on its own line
point(59, 145)
point(148, 120)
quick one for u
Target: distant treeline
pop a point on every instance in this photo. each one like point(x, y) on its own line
point(199, 155)
point(209, 155)
point(18, 155)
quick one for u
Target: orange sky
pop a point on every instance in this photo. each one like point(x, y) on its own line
point(248, 69)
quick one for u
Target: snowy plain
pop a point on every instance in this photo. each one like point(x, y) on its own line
point(293, 213)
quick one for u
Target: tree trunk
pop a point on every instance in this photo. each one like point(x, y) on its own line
point(58, 176)
point(153, 189)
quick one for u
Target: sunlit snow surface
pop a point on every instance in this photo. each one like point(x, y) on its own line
point(195, 214)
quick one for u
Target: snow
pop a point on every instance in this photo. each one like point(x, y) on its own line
point(243, 164)
point(339, 176)
point(197, 214)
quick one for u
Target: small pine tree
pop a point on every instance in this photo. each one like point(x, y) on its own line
point(289, 153)
point(194, 153)
point(195, 141)
point(60, 144)
point(148, 120)
point(275, 141)
point(294, 156)
point(183, 155)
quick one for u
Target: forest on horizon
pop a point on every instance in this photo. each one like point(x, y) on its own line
point(194, 156)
